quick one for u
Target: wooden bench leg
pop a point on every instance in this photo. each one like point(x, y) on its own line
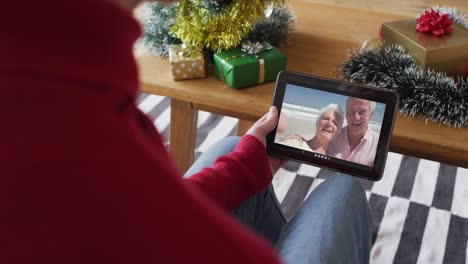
point(183, 133)
point(242, 127)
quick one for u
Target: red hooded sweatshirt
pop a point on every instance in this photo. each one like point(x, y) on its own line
point(84, 176)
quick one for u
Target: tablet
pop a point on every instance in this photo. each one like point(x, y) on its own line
point(331, 124)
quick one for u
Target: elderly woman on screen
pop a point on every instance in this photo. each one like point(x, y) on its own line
point(328, 125)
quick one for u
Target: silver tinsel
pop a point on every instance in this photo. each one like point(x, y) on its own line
point(157, 23)
point(276, 28)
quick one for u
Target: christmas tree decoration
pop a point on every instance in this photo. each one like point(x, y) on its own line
point(251, 64)
point(416, 65)
point(186, 63)
point(198, 27)
point(157, 37)
point(215, 6)
point(275, 28)
point(268, 10)
point(433, 95)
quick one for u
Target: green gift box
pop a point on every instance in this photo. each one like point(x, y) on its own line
point(251, 64)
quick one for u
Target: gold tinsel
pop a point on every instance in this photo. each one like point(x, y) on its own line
point(198, 27)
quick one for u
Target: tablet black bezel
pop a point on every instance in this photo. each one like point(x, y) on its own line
point(388, 97)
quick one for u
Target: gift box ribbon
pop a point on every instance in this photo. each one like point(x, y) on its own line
point(185, 52)
point(250, 49)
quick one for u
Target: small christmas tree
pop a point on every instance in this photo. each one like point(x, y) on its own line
point(217, 25)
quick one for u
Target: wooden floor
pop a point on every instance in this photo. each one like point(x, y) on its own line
point(400, 7)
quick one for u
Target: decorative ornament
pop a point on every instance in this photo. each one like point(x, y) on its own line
point(434, 22)
point(198, 27)
point(268, 10)
point(372, 45)
point(274, 29)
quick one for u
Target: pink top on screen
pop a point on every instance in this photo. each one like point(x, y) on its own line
point(364, 153)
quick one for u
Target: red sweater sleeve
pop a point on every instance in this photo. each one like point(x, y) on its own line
point(237, 176)
point(113, 195)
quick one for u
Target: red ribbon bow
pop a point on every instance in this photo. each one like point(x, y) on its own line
point(434, 22)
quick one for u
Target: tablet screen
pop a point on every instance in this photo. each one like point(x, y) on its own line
point(332, 126)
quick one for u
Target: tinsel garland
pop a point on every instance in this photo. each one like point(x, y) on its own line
point(215, 6)
point(198, 27)
point(157, 24)
point(433, 95)
point(274, 29)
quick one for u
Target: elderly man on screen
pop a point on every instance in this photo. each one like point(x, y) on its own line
point(356, 142)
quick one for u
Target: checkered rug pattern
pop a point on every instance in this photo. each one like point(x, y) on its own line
point(419, 208)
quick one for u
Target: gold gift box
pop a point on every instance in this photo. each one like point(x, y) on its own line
point(186, 63)
point(444, 53)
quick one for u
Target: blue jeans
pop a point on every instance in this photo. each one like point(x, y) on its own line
point(333, 225)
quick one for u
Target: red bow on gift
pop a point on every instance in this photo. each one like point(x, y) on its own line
point(434, 22)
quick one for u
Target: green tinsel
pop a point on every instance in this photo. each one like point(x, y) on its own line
point(157, 37)
point(433, 95)
point(274, 29)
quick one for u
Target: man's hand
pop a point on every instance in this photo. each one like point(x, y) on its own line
point(260, 130)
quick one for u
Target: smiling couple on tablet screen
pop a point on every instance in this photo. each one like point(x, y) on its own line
point(355, 142)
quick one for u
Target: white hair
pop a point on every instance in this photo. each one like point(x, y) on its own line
point(338, 115)
point(371, 107)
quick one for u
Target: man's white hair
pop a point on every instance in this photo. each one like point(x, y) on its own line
point(371, 107)
point(338, 115)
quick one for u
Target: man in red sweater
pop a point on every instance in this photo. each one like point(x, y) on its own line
point(85, 178)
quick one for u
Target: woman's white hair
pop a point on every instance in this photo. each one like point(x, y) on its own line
point(338, 115)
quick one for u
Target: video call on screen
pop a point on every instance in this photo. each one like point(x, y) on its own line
point(330, 125)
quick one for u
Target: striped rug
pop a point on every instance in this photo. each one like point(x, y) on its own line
point(419, 208)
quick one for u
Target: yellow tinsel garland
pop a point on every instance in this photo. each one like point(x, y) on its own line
point(197, 27)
